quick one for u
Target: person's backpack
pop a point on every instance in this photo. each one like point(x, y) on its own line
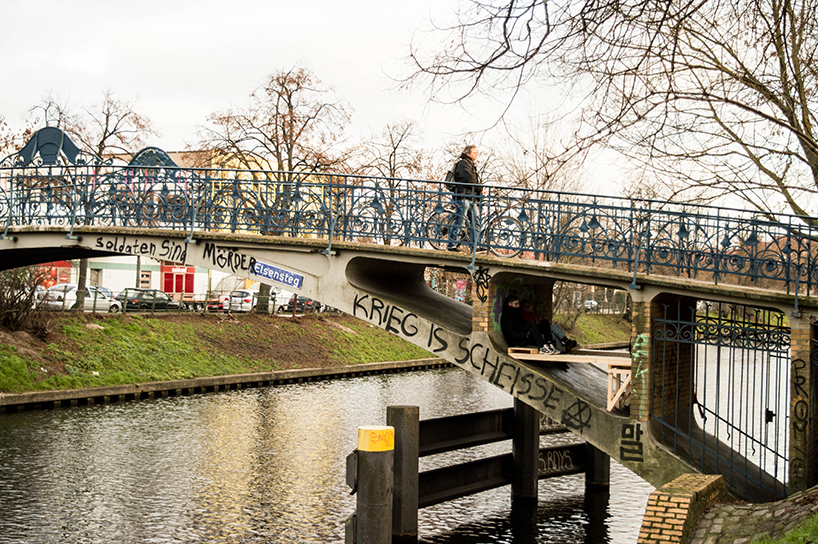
point(448, 181)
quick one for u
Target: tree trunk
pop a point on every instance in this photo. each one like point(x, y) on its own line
point(79, 305)
point(138, 283)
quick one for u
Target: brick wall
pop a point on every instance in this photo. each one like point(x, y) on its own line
point(481, 311)
point(640, 340)
point(803, 472)
point(675, 509)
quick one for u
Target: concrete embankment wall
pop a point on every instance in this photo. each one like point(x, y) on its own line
point(101, 395)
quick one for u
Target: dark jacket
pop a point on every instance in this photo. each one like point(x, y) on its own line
point(514, 326)
point(465, 173)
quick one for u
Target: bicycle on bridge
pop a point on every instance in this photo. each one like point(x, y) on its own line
point(502, 234)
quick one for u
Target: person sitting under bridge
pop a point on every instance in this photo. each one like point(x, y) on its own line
point(520, 333)
point(557, 335)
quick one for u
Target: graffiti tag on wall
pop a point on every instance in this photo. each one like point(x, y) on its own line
point(509, 376)
point(555, 462)
point(167, 250)
point(800, 421)
point(630, 447)
point(639, 355)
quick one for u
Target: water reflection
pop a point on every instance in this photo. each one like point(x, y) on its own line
point(264, 465)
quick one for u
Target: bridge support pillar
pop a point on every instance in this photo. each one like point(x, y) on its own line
point(640, 352)
point(803, 468)
point(672, 361)
point(406, 421)
point(597, 467)
point(525, 450)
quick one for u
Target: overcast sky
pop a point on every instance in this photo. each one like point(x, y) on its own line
point(181, 61)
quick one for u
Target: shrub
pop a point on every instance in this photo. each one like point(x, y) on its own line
point(18, 295)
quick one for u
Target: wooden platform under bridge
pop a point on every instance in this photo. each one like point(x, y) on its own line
point(616, 363)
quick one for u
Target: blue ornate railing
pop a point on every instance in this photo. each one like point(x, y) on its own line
point(699, 242)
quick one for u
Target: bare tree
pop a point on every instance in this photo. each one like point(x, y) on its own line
point(292, 122)
point(112, 126)
point(394, 153)
point(52, 111)
point(108, 127)
point(715, 98)
point(12, 141)
point(391, 155)
point(533, 157)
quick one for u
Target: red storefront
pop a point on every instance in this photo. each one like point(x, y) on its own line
point(177, 279)
point(58, 272)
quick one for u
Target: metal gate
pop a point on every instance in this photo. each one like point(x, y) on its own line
point(721, 390)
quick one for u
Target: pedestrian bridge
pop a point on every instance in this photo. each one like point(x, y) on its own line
point(723, 301)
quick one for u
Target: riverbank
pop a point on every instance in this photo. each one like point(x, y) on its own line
point(94, 350)
point(39, 400)
point(91, 351)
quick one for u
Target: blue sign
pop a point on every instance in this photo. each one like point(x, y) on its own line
point(277, 274)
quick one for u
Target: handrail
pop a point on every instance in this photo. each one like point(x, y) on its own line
point(675, 239)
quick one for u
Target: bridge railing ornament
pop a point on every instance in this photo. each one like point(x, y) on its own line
point(51, 182)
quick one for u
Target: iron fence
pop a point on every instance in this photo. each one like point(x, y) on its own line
point(721, 375)
point(702, 242)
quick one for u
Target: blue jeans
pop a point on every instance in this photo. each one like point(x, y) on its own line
point(465, 208)
point(558, 337)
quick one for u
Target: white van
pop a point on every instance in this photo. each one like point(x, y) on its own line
point(282, 299)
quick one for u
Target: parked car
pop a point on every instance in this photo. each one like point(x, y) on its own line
point(222, 303)
point(64, 295)
point(105, 291)
point(39, 294)
point(303, 305)
point(134, 298)
point(591, 306)
point(244, 300)
point(282, 300)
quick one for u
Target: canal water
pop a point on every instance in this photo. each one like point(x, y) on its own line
point(267, 466)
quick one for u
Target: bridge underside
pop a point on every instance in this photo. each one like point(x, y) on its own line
point(385, 286)
point(32, 256)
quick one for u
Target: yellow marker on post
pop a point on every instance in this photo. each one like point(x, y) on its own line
point(370, 472)
point(376, 438)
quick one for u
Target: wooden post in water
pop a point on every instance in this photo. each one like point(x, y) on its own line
point(372, 467)
point(406, 421)
point(525, 449)
point(597, 467)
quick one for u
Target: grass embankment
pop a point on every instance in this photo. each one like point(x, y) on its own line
point(102, 350)
point(599, 329)
point(806, 533)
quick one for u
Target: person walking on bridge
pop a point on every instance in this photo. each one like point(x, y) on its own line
point(466, 197)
